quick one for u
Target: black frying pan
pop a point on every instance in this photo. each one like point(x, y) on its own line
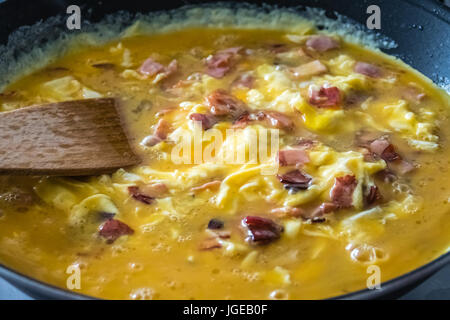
point(421, 29)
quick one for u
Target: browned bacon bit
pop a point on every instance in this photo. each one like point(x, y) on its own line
point(368, 69)
point(215, 224)
point(325, 97)
point(139, 196)
point(112, 229)
point(150, 67)
point(219, 64)
point(209, 244)
point(261, 230)
point(384, 149)
point(295, 180)
point(244, 80)
point(291, 157)
point(342, 192)
point(221, 103)
point(371, 195)
point(322, 43)
point(207, 120)
point(287, 212)
point(207, 186)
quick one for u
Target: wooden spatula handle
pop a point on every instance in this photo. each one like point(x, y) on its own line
point(82, 137)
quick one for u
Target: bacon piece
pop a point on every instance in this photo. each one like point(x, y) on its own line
point(150, 141)
point(371, 195)
point(295, 180)
point(221, 103)
point(162, 129)
point(139, 196)
point(325, 97)
point(384, 149)
point(219, 64)
point(261, 230)
point(243, 120)
point(215, 224)
point(276, 119)
point(413, 94)
point(291, 157)
point(309, 69)
point(342, 192)
point(207, 186)
point(209, 244)
point(150, 67)
point(244, 80)
point(321, 43)
point(402, 166)
point(112, 229)
point(367, 69)
point(287, 212)
point(155, 190)
point(207, 120)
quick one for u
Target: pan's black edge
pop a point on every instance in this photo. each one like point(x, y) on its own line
point(40, 289)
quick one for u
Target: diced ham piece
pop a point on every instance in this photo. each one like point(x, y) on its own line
point(325, 97)
point(244, 80)
point(309, 69)
point(261, 230)
point(112, 229)
point(207, 120)
point(371, 195)
point(322, 43)
point(208, 186)
point(150, 67)
point(139, 196)
point(384, 149)
point(221, 103)
point(318, 214)
point(342, 192)
point(219, 64)
point(295, 180)
point(368, 69)
point(290, 157)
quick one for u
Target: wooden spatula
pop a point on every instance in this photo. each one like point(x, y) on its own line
point(72, 138)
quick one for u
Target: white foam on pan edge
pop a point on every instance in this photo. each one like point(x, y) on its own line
point(33, 47)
